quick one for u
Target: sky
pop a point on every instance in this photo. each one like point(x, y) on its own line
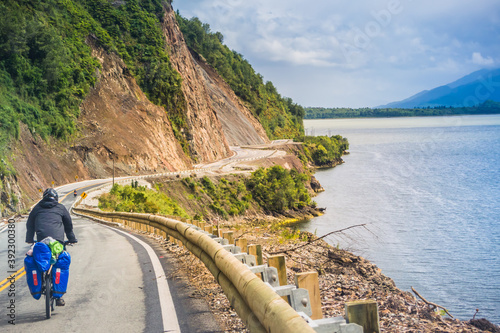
point(356, 53)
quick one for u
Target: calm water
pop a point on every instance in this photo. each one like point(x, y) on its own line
point(429, 190)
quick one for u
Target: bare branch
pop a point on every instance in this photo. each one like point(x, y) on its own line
point(430, 303)
point(317, 239)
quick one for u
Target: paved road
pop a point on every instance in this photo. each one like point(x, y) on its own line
point(115, 285)
point(114, 278)
point(244, 154)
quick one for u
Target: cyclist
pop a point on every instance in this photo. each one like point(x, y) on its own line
point(49, 218)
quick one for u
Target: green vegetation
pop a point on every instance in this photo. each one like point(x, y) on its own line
point(45, 68)
point(46, 65)
point(273, 190)
point(323, 151)
point(277, 189)
point(488, 107)
point(280, 116)
point(139, 199)
point(227, 197)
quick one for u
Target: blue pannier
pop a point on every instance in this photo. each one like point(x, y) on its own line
point(60, 275)
point(34, 277)
point(42, 256)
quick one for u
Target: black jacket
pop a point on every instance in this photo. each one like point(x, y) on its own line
point(49, 218)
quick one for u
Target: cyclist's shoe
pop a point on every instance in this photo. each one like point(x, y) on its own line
point(60, 302)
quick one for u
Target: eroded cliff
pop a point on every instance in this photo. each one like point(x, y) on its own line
point(217, 116)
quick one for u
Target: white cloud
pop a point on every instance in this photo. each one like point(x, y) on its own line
point(356, 40)
point(478, 59)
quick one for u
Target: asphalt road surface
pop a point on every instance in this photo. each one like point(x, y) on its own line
point(119, 282)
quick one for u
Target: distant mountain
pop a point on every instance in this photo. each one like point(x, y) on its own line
point(470, 90)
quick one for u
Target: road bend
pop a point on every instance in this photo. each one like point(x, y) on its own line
point(119, 282)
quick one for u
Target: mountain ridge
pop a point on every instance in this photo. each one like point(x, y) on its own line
point(470, 90)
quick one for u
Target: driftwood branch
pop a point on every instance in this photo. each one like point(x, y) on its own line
point(430, 303)
point(317, 239)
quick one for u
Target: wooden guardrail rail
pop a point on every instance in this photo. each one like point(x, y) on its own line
point(258, 305)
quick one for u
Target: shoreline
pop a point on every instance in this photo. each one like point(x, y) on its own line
point(428, 116)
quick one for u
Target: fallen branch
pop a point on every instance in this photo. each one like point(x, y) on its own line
point(317, 239)
point(430, 303)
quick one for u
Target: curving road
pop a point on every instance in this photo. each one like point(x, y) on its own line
point(119, 282)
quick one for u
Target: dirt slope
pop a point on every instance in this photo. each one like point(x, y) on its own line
point(217, 116)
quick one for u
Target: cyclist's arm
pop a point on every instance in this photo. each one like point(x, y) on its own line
point(30, 228)
point(68, 227)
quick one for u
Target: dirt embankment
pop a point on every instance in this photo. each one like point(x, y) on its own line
point(216, 116)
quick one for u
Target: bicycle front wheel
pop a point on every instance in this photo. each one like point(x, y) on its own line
point(48, 296)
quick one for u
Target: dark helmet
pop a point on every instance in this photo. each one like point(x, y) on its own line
point(50, 195)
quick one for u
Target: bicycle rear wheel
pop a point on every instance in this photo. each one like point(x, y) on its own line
point(48, 296)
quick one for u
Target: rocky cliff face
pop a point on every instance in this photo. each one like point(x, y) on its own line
point(216, 115)
point(119, 123)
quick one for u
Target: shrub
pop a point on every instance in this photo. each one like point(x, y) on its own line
point(140, 200)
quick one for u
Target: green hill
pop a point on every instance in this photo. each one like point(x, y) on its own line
point(488, 107)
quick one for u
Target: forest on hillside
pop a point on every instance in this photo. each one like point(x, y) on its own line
point(46, 66)
point(488, 107)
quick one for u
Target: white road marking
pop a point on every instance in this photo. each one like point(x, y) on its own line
point(168, 314)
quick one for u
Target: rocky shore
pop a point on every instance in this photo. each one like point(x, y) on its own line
point(343, 277)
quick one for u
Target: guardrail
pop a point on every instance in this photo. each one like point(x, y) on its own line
point(256, 298)
point(258, 306)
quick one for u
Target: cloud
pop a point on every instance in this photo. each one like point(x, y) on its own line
point(478, 59)
point(296, 51)
point(402, 45)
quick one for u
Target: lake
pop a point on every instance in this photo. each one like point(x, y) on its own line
point(428, 190)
